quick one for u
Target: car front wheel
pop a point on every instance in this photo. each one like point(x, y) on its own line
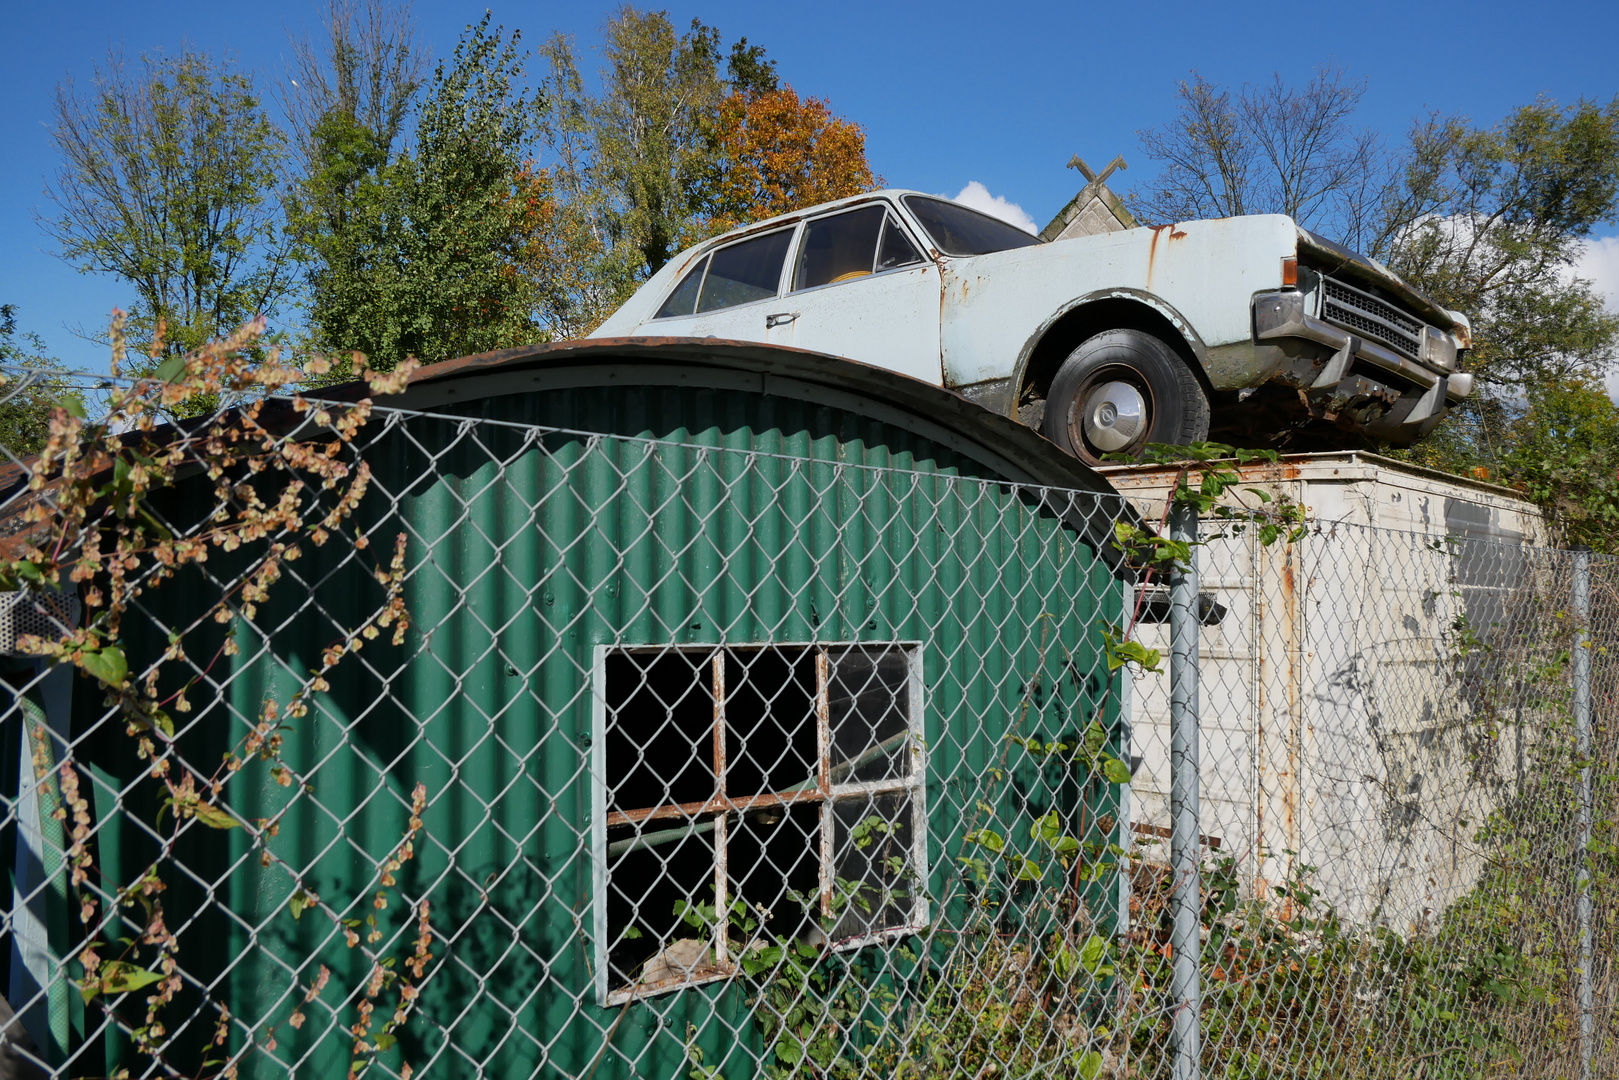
point(1119, 391)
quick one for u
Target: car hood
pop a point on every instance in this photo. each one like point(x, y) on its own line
point(1340, 260)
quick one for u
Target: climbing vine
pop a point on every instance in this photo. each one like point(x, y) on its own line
point(259, 498)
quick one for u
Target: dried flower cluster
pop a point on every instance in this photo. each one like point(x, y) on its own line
point(91, 527)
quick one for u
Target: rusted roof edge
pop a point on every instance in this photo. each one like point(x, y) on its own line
point(1029, 452)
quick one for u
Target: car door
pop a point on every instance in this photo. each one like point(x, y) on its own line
point(861, 288)
point(729, 293)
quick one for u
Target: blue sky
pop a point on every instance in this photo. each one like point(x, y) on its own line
point(950, 93)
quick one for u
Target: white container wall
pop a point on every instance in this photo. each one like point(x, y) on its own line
point(1345, 708)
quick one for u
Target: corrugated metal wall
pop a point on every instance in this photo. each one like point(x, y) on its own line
point(528, 550)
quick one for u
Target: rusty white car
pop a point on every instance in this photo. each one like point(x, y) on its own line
point(1244, 328)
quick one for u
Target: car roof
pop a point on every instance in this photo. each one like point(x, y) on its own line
point(795, 215)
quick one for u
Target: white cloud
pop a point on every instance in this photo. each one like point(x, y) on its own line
point(1599, 264)
point(977, 196)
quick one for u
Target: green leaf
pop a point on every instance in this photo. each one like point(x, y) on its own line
point(987, 838)
point(1027, 868)
point(1094, 954)
point(170, 370)
point(1089, 1066)
point(214, 817)
point(1116, 771)
point(73, 405)
point(1047, 828)
point(299, 903)
point(106, 664)
point(117, 977)
point(385, 1040)
point(631, 933)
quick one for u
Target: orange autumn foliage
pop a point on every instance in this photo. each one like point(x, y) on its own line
point(780, 153)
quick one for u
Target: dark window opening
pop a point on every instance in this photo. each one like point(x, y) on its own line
point(755, 796)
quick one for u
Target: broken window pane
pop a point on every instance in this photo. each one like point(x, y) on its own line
point(769, 720)
point(869, 699)
point(872, 854)
point(644, 886)
point(660, 729)
point(774, 862)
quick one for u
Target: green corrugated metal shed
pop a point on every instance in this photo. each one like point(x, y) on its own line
point(529, 550)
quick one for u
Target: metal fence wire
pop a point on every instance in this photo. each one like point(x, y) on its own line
point(706, 761)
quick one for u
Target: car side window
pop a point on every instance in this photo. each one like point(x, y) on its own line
point(683, 301)
point(745, 272)
point(896, 248)
point(839, 248)
point(738, 274)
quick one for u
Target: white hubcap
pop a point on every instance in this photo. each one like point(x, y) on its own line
point(1114, 415)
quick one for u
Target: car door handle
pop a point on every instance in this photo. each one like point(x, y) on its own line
point(781, 318)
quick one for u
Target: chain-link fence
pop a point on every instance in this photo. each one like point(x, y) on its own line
point(700, 759)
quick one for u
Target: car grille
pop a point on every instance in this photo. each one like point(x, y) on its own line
point(1348, 307)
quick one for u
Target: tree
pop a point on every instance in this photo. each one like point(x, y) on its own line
point(1272, 149)
point(168, 180)
point(1486, 220)
point(346, 106)
point(670, 153)
point(634, 159)
point(1489, 220)
point(778, 153)
point(32, 390)
point(419, 252)
point(1563, 451)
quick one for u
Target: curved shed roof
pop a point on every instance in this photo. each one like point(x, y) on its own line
point(1016, 452)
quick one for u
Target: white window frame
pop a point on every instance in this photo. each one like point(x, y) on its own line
point(827, 795)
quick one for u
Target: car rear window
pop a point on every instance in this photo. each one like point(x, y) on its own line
point(738, 274)
point(957, 230)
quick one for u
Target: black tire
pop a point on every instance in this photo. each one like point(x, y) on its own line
point(1172, 405)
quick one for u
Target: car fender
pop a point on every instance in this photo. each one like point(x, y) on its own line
point(1020, 367)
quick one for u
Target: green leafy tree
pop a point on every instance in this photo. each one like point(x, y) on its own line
point(31, 391)
point(347, 101)
point(643, 141)
point(1488, 220)
point(631, 165)
point(168, 181)
point(1562, 450)
point(418, 252)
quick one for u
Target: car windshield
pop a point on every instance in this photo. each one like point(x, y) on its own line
point(957, 230)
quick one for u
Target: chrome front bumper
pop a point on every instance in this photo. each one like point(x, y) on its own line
point(1281, 315)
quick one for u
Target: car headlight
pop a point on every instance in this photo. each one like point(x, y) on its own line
point(1438, 349)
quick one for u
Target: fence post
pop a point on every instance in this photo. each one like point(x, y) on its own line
point(1184, 852)
point(1581, 665)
